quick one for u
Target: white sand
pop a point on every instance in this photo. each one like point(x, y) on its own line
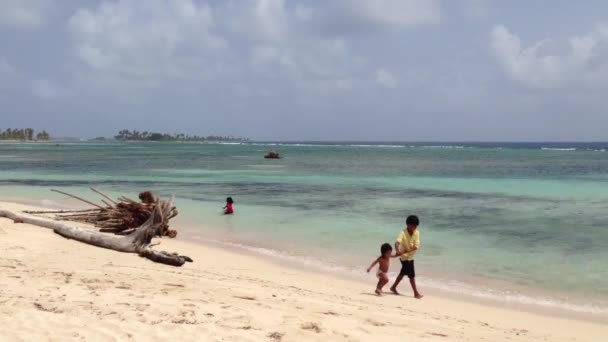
point(56, 289)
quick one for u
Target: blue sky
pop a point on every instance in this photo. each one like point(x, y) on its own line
point(308, 70)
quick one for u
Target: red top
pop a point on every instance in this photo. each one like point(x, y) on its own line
point(228, 208)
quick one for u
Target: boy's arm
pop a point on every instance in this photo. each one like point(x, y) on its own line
point(416, 242)
point(408, 251)
point(398, 241)
point(372, 265)
point(411, 250)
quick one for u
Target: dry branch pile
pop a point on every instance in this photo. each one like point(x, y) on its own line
point(138, 221)
point(121, 216)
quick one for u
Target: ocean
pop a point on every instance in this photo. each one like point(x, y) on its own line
point(517, 222)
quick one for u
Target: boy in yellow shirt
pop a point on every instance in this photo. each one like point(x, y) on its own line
point(406, 245)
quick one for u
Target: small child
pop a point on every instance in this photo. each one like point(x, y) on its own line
point(228, 208)
point(383, 261)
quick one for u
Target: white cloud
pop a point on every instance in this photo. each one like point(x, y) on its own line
point(6, 68)
point(284, 46)
point(304, 13)
point(386, 79)
point(274, 20)
point(399, 14)
point(263, 56)
point(270, 19)
point(7, 74)
point(266, 21)
point(47, 90)
point(24, 14)
point(146, 39)
point(368, 16)
point(307, 46)
point(476, 9)
point(547, 64)
point(287, 45)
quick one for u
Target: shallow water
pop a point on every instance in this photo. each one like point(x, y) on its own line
point(520, 219)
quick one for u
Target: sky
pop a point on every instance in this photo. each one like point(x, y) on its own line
point(383, 70)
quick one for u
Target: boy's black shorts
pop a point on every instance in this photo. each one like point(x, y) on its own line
point(407, 268)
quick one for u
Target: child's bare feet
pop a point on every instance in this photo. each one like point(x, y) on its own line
point(378, 292)
point(394, 290)
point(418, 296)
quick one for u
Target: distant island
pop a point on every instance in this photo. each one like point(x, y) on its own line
point(127, 135)
point(23, 134)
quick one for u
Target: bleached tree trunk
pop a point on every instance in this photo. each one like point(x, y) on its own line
point(136, 242)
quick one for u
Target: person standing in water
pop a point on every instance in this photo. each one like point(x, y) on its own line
point(406, 245)
point(228, 208)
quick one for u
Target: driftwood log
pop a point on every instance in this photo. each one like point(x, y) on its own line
point(138, 241)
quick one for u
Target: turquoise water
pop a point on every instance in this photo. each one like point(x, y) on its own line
point(508, 221)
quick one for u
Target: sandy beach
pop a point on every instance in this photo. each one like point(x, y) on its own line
point(56, 289)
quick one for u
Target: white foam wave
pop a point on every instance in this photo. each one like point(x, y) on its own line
point(273, 253)
point(558, 149)
point(380, 145)
point(444, 146)
point(458, 287)
point(294, 144)
point(327, 145)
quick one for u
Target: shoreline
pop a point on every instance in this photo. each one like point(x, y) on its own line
point(529, 301)
point(64, 288)
point(553, 309)
point(476, 289)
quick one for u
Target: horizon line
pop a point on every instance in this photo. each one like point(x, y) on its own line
point(249, 140)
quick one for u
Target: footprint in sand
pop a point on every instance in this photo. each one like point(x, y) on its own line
point(312, 326)
point(374, 322)
point(184, 321)
point(46, 309)
point(174, 285)
point(438, 334)
point(520, 331)
point(276, 336)
point(141, 307)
